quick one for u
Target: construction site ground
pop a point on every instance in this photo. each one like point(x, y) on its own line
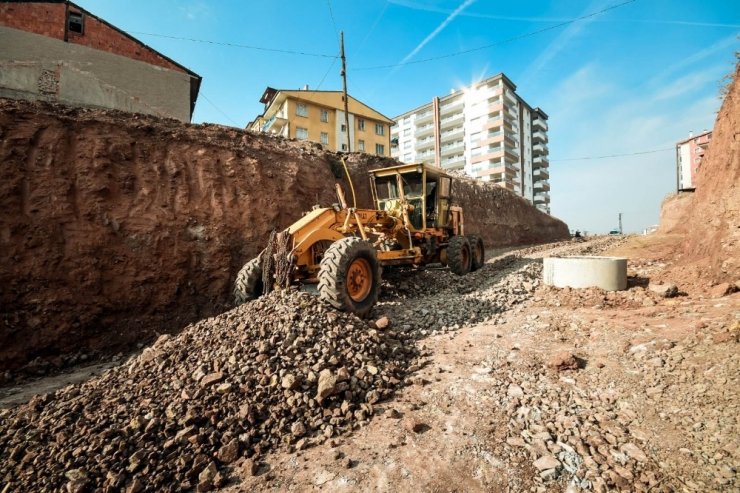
point(521, 387)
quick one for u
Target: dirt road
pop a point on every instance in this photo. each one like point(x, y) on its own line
point(520, 387)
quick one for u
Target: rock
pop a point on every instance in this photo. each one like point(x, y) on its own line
point(289, 382)
point(664, 290)
point(413, 425)
point(546, 462)
point(634, 451)
point(382, 323)
point(515, 391)
point(722, 289)
point(229, 452)
point(249, 467)
point(327, 385)
point(211, 379)
point(208, 474)
point(562, 360)
point(298, 429)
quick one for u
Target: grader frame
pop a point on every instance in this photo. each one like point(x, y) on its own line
point(342, 248)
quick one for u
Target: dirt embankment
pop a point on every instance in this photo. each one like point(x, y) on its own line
point(673, 211)
point(711, 249)
point(114, 227)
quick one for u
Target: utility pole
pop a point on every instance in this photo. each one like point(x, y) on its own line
point(620, 223)
point(344, 89)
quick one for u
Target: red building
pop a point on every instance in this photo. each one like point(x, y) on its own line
point(56, 50)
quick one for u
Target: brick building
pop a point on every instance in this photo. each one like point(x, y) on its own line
point(55, 50)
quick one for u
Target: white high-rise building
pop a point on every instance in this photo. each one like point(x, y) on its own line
point(485, 130)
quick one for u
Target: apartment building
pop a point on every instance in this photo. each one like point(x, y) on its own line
point(319, 116)
point(485, 130)
point(689, 153)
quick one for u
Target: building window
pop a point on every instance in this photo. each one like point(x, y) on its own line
point(407, 132)
point(361, 123)
point(324, 138)
point(379, 129)
point(75, 23)
point(407, 144)
point(407, 157)
point(301, 109)
point(344, 147)
point(324, 116)
point(361, 145)
point(301, 133)
point(344, 127)
point(380, 149)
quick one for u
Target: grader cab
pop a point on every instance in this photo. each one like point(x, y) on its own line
point(342, 249)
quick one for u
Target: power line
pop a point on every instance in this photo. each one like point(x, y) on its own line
point(499, 43)
point(236, 45)
point(614, 155)
point(331, 14)
point(218, 109)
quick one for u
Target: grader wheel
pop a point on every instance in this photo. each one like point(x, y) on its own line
point(349, 276)
point(459, 256)
point(478, 252)
point(248, 284)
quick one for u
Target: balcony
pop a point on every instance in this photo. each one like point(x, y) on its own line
point(541, 186)
point(542, 198)
point(454, 162)
point(449, 149)
point(540, 123)
point(510, 96)
point(448, 108)
point(424, 131)
point(454, 134)
point(539, 149)
point(275, 124)
point(422, 156)
point(423, 118)
point(539, 136)
point(449, 121)
point(541, 174)
point(422, 144)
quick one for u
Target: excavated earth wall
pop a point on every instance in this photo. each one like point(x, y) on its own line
point(116, 227)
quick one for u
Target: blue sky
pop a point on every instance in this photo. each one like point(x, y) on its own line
point(638, 77)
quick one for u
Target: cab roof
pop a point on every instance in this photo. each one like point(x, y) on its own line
point(409, 168)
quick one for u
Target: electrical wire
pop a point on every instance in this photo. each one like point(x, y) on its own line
point(498, 43)
point(586, 158)
point(236, 45)
point(218, 109)
point(331, 14)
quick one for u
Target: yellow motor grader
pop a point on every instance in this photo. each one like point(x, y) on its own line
point(343, 249)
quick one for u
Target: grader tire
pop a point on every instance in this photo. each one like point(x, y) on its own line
point(248, 284)
point(349, 276)
point(478, 252)
point(459, 256)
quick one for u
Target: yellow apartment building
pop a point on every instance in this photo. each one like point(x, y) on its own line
point(318, 116)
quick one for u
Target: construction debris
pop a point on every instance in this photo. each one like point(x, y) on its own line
point(283, 371)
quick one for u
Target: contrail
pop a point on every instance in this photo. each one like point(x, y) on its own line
point(438, 30)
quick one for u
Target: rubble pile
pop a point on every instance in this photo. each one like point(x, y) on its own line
point(284, 370)
point(432, 300)
point(581, 437)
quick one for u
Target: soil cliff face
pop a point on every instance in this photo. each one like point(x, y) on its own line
point(116, 227)
point(711, 218)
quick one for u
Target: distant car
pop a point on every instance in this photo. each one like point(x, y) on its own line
point(614, 232)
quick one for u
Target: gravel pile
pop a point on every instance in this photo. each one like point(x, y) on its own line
point(285, 370)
